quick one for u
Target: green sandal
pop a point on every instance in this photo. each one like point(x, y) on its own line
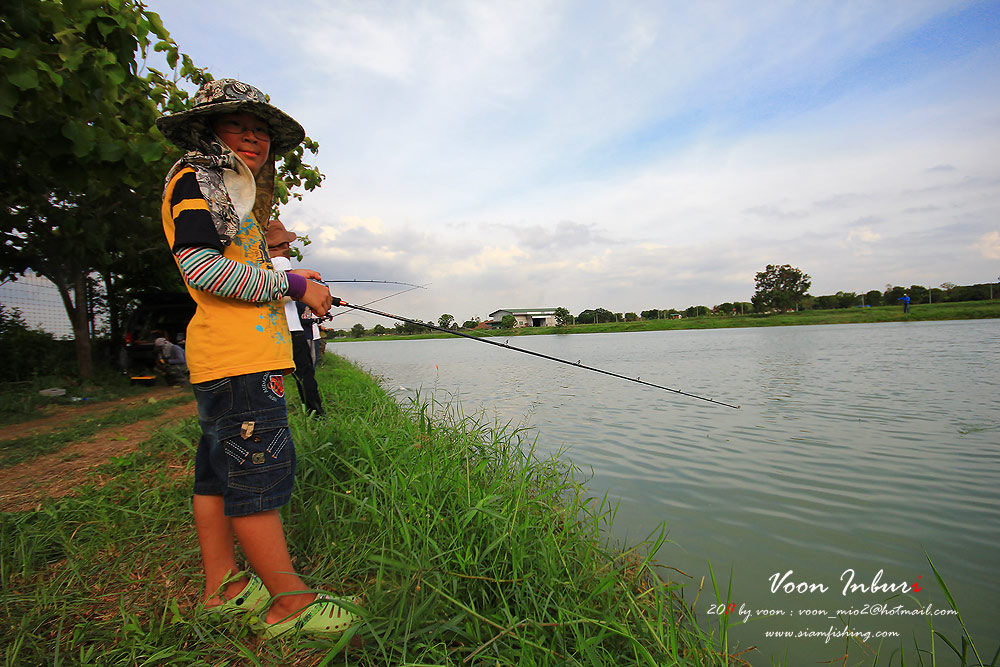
point(322, 616)
point(252, 598)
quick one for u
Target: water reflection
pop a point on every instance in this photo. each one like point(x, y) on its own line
point(856, 446)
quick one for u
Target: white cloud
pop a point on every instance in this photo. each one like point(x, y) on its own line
point(864, 235)
point(989, 245)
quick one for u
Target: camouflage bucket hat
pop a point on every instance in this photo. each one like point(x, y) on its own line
point(229, 96)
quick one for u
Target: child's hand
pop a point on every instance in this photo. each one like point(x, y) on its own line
point(308, 274)
point(317, 296)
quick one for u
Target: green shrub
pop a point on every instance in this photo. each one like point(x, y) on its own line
point(28, 353)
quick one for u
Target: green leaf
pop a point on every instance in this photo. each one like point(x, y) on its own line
point(54, 76)
point(115, 74)
point(150, 151)
point(63, 34)
point(106, 27)
point(156, 23)
point(9, 96)
point(111, 151)
point(81, 135)
point(22, 76)
point(9, 53)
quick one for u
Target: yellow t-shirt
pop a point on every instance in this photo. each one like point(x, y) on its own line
point(229, 337)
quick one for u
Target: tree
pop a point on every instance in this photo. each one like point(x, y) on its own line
point(597, 315)
point(918, 294)
point(379, 330)
point(696, 311)
point(826, 302)
point(563, 317)
point(409, 328)
point(83, 160)
point(470, 324)
point(631, 317)
point(846, 299)
point(445, 321)
point(873, 298)
point(780, 287)
point(726, 308)
point(358, 330)
point(508, 322)
point(76, 131)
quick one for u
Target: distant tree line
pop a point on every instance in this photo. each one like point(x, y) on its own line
point(779, 288)
point(946, 293)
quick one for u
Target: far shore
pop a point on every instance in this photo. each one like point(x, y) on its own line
point(963, 310)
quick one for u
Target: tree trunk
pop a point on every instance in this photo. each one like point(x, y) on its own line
point(81, 329)
point(76, 309)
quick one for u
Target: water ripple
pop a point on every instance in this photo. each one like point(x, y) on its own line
point(857, 446)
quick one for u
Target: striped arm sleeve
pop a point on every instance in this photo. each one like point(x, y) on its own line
point(193, 224)
point(206, 269)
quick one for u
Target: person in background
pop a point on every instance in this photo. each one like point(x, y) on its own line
point(171, 359)
point(318, 342)
point(279, 242)
point(311, 322)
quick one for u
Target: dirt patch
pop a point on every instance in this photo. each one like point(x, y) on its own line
point(55, 416)
point(23, 486)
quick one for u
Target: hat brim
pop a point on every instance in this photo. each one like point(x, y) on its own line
point(276, 236)
point(286, 133)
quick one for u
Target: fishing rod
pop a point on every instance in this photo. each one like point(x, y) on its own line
point(340, 302)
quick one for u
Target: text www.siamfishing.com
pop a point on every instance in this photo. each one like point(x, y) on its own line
point(830, 634)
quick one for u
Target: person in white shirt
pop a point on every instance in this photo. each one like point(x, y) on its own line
point(279, 242)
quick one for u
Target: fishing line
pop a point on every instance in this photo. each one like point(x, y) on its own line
point(330, 316)
point(340, 302)
point(382, 282)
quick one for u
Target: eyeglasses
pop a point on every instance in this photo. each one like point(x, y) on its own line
point(229, 126)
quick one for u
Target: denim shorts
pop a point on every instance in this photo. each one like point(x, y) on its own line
point(245, 453)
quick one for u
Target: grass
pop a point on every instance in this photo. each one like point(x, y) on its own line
point(466, 547)
point(922, 312)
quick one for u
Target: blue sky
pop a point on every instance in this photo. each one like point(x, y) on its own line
point(627, 155)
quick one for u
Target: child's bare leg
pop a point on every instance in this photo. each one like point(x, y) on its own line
point(218, 551)
point(262, 538)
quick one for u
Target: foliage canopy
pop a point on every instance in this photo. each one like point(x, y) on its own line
point(780, 287)
point(84, 163)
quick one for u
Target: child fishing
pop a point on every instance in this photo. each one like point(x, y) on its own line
point(216, 206)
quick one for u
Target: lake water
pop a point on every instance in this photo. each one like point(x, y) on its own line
point(857, 449)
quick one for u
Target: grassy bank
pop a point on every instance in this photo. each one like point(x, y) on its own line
point(966, 310)
point(466, 549)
